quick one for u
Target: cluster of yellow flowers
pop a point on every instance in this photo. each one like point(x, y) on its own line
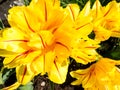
point(43, 36)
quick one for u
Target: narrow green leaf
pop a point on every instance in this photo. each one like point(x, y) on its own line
point(28, 86)
point(7, 73)
point(27, 2)
point(1, 25)
point(1, 80)
point(51, 85)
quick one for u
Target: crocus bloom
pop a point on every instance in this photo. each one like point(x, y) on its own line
point(38, 42)
point(84, 49)
point(106, 20)
point(103, 75)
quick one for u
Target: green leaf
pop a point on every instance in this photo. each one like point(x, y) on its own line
point(7, 73)
point(51, 85)
point(28, 86)
point(27, 2)
point(1, 80)
point(110, 48)
point(1, 25)
point(116, 55)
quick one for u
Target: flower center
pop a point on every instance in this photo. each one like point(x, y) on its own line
point(41, 40)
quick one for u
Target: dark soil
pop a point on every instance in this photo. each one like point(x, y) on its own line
point(52, 86)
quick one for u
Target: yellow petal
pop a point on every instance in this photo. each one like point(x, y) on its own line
point(83, 22)
point(24, 74)
point(83, 78)
point(11, 40)
point(86, 10)
point(17, 59)
point(5, 53)
point(31, 24)
point(11, 61)
point(42, 63)
point(100, 33)
point(18, 12)
point(61, 51)
point(111, 7)
point(73, 10)
point(97, 13)
point(58, 72)
point(115, 33)
point(84, 29)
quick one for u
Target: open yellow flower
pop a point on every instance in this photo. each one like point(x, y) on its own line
point(84, 51)
point(39, 41)
point(84, 48)
point(103, 75)
point(106, 20)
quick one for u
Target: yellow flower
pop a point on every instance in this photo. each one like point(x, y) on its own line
point(84, 51)
point(103, 75)
point(106, 20)
point(39, 41)
point(84, 48)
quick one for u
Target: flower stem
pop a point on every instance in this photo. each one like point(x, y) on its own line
point(51, 85)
